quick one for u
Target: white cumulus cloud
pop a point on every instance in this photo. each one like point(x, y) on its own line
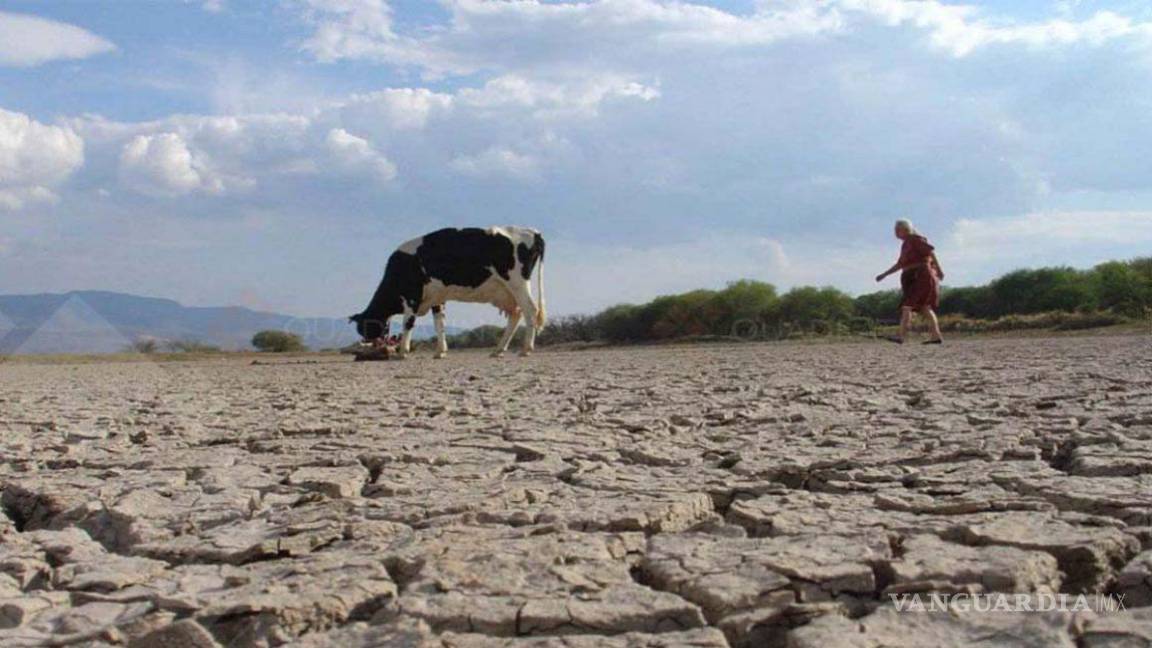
point(211, 6)
point(34, 158)
point(359, 29)
point(1066, 228)
point(30, 40)
point(962, 29)
point(356, 155)
point(17, 198)
point(484, 35)
point(498, 161)
point(499, 36)
point(396, 108)
point(580, 97)
point(163, 165)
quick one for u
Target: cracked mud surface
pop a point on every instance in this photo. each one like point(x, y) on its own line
point(702, 496)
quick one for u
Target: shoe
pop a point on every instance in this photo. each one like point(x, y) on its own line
point(893, 338)
point(933, 342)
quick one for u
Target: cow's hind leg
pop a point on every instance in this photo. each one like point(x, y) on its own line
point(441, 340)
point(509, 331)
point(528, 309)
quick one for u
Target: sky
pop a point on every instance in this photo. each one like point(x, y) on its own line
point(272, 154)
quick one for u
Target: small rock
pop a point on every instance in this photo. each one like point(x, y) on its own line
point(1135, 581)
point(944, 629)
point(182, 634)
point(335, 482)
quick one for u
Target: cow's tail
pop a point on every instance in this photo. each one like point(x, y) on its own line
point(541, 317)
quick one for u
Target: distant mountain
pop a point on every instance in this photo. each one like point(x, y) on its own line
point(108, 322)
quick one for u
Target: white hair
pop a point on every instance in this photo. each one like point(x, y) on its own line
point(905, 225)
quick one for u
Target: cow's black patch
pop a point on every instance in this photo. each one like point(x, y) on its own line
point(529, 256)
point(465, 257)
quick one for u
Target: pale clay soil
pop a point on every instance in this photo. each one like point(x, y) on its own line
point(707, 496)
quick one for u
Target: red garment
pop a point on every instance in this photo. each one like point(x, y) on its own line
point(920, 285)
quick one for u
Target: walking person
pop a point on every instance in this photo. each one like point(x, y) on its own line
point(920, 277)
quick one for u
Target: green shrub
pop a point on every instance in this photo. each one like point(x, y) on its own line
point(690, 314)
point(1080, 321)
point(145, 345)
point(479, 337)
point(569, 329)
point(1121, 288)
point(621, 323)
point(190, 346)
point(815, 308)
point(743, 303)
point(1043, 290)
point(1055, 321)
point(973, 301)
point(883, 305)
point(278, 342)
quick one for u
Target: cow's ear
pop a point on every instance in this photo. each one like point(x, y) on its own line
point(356, 318)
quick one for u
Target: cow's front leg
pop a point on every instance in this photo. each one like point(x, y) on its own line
point(513, 322)
point(406, 337)
point(441, 340)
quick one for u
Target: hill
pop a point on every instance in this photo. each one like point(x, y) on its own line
point(89, 321)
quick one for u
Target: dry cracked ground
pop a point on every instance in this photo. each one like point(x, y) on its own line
point(759, 495)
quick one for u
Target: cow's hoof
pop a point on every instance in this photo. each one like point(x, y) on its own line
point(497, 354)
point(440, 356)
point(525, 354)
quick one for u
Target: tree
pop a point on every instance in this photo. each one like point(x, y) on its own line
point(973, 301)
point(191, 346)
point(650, 314)
point(487, 335)
point(1120, 288)
point(570, 328)
point(1142, 267)
point(743, 304)
point(692, 313)
point(621, 323)
point(145, 345)
point(278, 342)
point(883, 305)
point(1042, 290)
point(814, 310)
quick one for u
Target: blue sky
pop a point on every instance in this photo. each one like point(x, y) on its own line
point(272, 154)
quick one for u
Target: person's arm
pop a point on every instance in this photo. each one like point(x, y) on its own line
point(936, 266)
point(895, 267)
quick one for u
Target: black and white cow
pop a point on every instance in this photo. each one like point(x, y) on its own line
point(490, 266)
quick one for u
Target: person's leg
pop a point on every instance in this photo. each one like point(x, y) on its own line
point(905, 322)
point(933, 323)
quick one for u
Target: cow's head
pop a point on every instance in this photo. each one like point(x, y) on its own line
point(369, 328)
